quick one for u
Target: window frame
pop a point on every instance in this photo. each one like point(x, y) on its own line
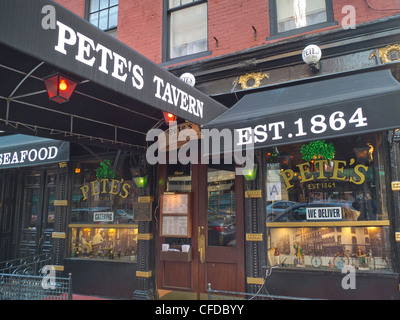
point(88, 13)
point(166, 43)
point(273, 18)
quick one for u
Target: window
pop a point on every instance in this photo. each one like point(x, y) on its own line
point(221, 215)
point(103, 14)
point(187, 27)
point(102, 224)
point(338, 212)
point(291, 15)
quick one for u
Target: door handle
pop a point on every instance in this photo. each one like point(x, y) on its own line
point(201, 245)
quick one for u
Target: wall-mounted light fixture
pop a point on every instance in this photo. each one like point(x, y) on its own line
point(169, 117)
point(140, 181)
point(312, 55)
point(250, 174)
point(59, 87)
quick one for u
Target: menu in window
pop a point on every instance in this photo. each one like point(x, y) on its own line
point(175, 225)
point(175, 215)
point(175, 203)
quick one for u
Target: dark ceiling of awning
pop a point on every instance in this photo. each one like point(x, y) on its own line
point(353, 103)
point(103, 110)
point(94, 114)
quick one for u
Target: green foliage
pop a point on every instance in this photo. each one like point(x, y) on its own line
point(318, 150)
point(104, 171)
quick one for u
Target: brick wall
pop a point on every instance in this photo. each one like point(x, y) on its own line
point(140, 26)
point(76, 6)
point(233, 25)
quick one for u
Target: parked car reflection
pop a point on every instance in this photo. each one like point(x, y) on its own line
point(123, 216)
point(298, 212)
point(221, 228)
point(275, 208)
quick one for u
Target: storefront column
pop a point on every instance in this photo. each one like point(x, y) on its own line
point(145, 255)
point(255, 228)
point(395, 176)
point(59, 236)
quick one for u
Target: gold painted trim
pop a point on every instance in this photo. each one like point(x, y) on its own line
point(146, 199)
point(397, 236)
point(115, 226)
point(257, 77)
point(253, 194)
point(254, 237)
point(61, 203)
point(145, 236)
point(384, 53)
point(259, 281)
point(58, 235)
point(396, 186)
point(372, 223)
point(144, 274)
point(58, 268)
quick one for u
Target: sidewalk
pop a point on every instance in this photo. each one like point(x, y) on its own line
point(82, 297)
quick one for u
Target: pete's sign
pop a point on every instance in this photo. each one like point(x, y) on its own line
point(109, 62)
point(337, 172)
point(104, 187)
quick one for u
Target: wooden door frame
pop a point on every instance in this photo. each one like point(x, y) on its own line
point(238, 250)
point(199, 191)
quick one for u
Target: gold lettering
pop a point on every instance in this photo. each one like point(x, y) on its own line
point(336, 170)
point(287, 175)
point(320, 164)
point(114, 186)
point(125, 188)
point(104, 183)
point(303, 172)
point(85, 191)
point(95, 187)
point(360, 174)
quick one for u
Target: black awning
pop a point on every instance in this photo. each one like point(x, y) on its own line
point(334, 107)
point(120, 93)
point(20, 150)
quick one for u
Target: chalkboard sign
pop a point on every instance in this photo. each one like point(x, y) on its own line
point(142, 211)
point(176, 220)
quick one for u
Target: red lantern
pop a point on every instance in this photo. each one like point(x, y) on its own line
point(59, 87)
point(169, 117)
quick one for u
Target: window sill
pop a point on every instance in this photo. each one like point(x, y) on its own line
point(366, 223)
point(302, 30)
point(185, 58)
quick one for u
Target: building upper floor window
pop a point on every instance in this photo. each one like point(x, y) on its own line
point(290, 15)
point(187, 27)
point(103, 13)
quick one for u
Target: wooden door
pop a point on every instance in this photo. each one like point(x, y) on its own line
point(7, 205)
point(220, 229)
point(217, 238)
point(37, 211)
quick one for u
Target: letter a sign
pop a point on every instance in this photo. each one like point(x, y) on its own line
point(274, 191)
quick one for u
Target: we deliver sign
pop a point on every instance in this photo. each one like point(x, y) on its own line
point(324, 213)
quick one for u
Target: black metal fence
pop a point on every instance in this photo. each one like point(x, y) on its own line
point(33, 278)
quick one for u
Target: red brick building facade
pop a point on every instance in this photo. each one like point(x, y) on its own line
point(233, 25)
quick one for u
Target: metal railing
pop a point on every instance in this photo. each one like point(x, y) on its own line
point(32, 265)
point(29, 279)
